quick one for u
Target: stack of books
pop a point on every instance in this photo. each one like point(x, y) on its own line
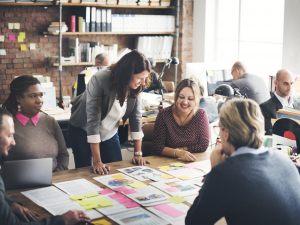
point(143, 2)
point(54, 27)
point(154, 2)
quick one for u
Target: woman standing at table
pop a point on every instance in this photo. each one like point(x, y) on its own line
point(248, 184)
point(182, 128)
point(37, 134)
point(112, 94)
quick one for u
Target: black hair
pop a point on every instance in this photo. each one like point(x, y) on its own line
point(132, 63)
point(17, 88)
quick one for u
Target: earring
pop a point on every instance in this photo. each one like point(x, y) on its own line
point(19, 108)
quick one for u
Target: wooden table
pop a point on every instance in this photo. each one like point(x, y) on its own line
point(155, 161)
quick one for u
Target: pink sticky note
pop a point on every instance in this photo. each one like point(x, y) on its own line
point(172, 189)
point(169, 210)
point(131, 204)
point(116, 196)
point(106, 191)
point(11, 37)
point(125, 190)
point(124, 199)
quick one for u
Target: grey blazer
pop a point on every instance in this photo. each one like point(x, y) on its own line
point(91, 107)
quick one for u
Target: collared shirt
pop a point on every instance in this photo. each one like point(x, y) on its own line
point(285, 103)
point(248, 150)
point(24, 119)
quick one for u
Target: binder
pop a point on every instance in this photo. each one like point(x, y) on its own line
point(108, 20)
point(93, 19)
point(103, 20)
point(87, 18)
point(98, 20)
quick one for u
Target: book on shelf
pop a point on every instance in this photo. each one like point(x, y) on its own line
point(93, 19)
point(73, 23)
point(165, 3)
point(111, 2)
point(87, 18)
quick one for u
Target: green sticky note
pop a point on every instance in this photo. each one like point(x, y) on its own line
point(22, 34)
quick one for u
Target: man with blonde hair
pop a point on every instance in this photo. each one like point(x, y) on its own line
point(281, 98)
point(250, 86)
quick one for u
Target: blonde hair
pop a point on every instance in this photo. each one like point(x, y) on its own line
point(192, 85)
point(244, 121)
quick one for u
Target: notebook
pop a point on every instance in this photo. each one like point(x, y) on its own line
point(27, 173)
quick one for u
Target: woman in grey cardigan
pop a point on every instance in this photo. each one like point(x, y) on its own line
point(111, 95)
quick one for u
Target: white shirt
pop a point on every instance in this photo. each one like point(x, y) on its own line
point(285, 103)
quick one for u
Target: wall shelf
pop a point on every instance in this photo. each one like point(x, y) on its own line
point(139, 33)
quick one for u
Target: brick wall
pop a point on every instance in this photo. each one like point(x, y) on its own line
point(35, 20)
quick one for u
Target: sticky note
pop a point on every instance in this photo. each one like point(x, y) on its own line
point(106, 191)
point(169, 210)
point(101, 222)
point(176, 199)
point(10, 26)
point(32, 46)
point(184, 177)
point(131, 204)
point(177, 164)
point(172, 189)
point(2, 38)
point(125, 190)
point(11, 37)
point(22, 34)
point(17, 26)
point(164, 168)
point(20, 39)
point(118, 176)
point(92, 194)
point(76, 197)
point(137, 184)
point(2, 52)
point(23, 48)
point(166, 176)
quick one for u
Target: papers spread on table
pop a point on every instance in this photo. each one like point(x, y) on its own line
point(56, 201)
point(125, 193)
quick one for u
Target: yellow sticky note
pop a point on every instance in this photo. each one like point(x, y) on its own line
point(91, 194)
point(176, 199)
point(118, 176)
point(184, 177)
point(10, 26)
point(32, 46)
point(89, 206)
point(137, 184)
point(22, 34)
point(104, 203)
point(23, 47)
point(76, 197)
point(17, 26)
point(164, 168)
point(177, 164)
point(101, 222)
point(166, 176)
point(20, 39)
point(2, 38)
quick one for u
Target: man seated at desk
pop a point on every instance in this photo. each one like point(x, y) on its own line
point(281, 98)
point(12, 213)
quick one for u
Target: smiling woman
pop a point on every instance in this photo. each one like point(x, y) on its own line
point(182, 129)
point(112, 94)
point(37, 134)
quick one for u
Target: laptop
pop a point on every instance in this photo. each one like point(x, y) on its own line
point(27, 173)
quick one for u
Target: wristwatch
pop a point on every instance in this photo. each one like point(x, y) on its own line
point(138, 153)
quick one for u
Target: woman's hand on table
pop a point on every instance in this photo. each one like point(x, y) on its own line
point(139, 160)
point(100, 168)
point(185, 156)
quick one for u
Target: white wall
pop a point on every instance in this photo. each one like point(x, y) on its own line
point(291, 36)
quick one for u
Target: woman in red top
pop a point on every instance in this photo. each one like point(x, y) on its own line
point(182, 128)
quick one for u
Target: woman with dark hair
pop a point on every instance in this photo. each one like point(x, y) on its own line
point(37, 134)
point(112, 94)
point(182, 128)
